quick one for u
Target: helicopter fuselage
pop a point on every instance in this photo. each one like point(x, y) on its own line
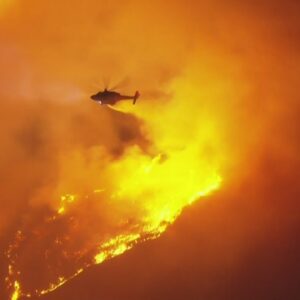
point(110, 97)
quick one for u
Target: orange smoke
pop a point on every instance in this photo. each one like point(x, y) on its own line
point(85, 183)
point(136, 197)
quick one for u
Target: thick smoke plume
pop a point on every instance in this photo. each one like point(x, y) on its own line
point(219, 97)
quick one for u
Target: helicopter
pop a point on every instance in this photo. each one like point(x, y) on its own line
point(108, 97)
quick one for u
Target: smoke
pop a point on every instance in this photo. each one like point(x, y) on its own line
point(218, 82)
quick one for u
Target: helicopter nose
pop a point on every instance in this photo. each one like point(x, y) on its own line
point(93, 97)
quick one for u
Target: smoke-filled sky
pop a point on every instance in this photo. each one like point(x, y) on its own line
point(219, 105)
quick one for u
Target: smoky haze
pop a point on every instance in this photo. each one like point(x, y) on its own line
point(221, 77)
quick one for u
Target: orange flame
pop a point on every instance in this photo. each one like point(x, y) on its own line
point(145, 182)
point(108, 205)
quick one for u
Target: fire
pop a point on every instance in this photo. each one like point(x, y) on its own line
point(65, 200)
point(107, 204)
point(116, 246)
point(157, 189)
point(103, 181)
point(16, 293)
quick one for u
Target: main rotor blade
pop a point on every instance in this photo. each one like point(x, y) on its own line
point(123, 83)
point(106, 83)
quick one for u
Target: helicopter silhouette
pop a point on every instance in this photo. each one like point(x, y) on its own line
point(108, 97)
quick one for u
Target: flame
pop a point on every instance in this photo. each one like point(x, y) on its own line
point(175, 178)
point(115, 246)
point(65, 200)
point(136, 197)
point(107, 205)
point(16, 293)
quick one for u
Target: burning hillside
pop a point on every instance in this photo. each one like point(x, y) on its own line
point(83, 183)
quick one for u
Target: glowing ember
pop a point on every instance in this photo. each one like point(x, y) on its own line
point(65, 200)
point(107, 202)
point(16, 293)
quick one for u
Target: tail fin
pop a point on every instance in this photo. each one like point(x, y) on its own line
point(137, 94)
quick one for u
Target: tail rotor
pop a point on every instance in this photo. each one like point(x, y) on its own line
point(136, 96)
